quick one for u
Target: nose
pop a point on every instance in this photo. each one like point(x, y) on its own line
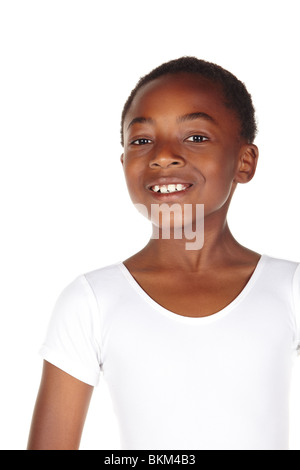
point(164, 157)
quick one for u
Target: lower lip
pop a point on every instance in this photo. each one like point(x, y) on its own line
point(170, 196)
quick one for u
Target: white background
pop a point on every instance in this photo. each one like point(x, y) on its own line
point(67, 68)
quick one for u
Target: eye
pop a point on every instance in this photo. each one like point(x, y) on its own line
point(197, 138)
point(141, 142)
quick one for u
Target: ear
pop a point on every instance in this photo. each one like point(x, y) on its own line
point(247, 162)
point(122, 158)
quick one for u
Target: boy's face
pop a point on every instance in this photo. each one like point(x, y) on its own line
point(178, 127)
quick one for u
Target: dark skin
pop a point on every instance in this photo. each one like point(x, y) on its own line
point(205, 280)
point(208, 279)
point(60, 411)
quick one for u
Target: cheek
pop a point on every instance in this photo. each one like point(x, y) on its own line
point(220, 170)
point(134, 178)
point(219, 176)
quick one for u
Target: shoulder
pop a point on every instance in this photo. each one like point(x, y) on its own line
point(73, 340)
point(79, 297)
point(282, 281)
point(281, 266)
point(106, 283)
point(278, 277)
point(103, 274)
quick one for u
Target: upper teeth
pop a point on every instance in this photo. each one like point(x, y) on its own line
point(169, 188)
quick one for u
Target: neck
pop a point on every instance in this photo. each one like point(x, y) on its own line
point(219, 249)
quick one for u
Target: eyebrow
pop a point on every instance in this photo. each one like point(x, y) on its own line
point(140, 120)
point(185, 117)
point(194, 116)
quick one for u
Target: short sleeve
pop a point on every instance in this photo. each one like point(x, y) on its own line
point(72, 340)
point(296, 297)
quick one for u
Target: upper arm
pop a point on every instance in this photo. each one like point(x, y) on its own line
point(60, 411)
point(72, 357)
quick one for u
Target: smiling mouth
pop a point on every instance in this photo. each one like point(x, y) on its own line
point(170, 188)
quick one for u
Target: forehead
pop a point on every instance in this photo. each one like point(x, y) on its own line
point(178, 94)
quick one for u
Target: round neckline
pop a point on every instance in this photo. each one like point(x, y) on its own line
point(186, 319)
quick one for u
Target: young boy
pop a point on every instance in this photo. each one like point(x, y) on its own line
point(196, 345)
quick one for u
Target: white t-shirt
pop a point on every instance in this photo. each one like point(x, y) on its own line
point(219, 382)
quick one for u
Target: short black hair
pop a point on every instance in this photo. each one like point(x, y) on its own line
point(236, 95)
